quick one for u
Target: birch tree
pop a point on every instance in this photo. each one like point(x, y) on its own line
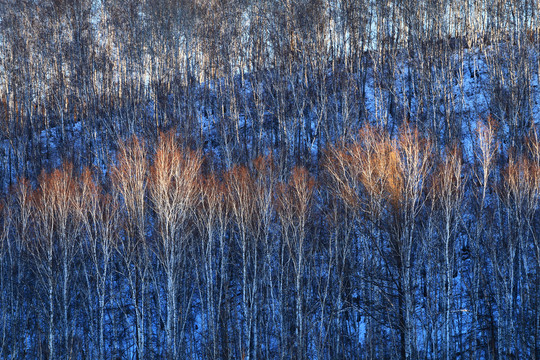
point(174, 191)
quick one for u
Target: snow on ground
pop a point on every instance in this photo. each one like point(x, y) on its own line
point(470, 92)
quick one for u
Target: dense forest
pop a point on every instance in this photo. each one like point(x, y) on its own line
point(263, 179)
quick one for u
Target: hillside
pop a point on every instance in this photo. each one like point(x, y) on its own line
point(269, 180)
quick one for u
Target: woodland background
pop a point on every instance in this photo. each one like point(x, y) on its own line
point(298, 179)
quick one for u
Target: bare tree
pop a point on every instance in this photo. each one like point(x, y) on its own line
point(212, 219)
point(447, 196)
point(99, 214)
point(174, 193)
point(129, 177)
point(295, 205)
point(485, 155)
